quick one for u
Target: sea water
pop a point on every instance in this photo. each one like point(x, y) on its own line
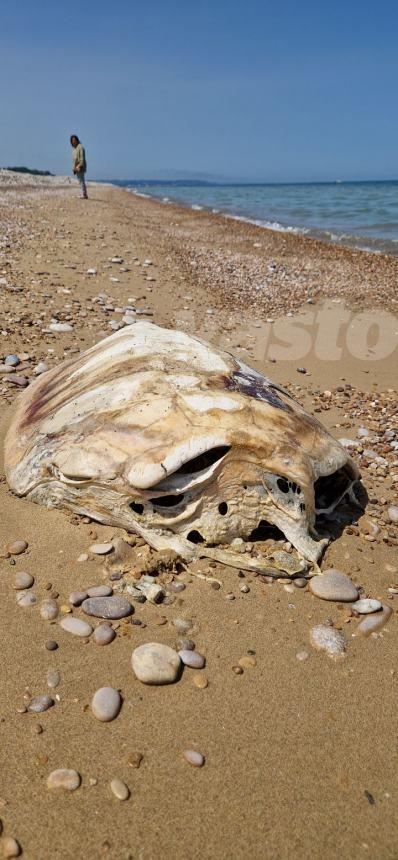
point(358, 214)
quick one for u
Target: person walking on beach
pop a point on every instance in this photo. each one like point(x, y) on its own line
point(79, 164)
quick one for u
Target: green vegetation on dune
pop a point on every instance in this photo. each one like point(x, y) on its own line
point(29, 170)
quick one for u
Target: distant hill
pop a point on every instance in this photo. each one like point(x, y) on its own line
point(29, 170)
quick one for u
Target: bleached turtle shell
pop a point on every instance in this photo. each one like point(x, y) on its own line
point(167, 436)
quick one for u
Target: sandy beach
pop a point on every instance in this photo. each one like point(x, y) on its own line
point(300, 751)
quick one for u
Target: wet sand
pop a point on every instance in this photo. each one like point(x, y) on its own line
point(300, 756)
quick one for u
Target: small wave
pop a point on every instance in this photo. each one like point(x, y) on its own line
point(138, 193)
point(197, 207)
point(268, 225)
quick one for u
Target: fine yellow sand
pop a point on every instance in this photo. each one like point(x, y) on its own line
point(300, 756)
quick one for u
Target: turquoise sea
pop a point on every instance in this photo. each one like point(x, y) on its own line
point(359, 214)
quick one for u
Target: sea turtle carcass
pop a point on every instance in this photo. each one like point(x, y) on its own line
point(160, 433)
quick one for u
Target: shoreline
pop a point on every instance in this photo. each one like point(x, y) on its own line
point(293, 747)
point(366, 266)
point(324, 235)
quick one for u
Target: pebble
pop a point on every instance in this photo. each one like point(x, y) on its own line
point(101, 548)
point(26, 598)
point(106, 704)
point(192, 658)
point(247, 661)
point(51, 645)
point(183, 625)
point(300, 582)
point(40, 368)
point(104, 634)
point(134, 759)
point(196, 759)
point(12, 360)
point(17, 547)
point(53, 678)
point(185, 645)
point(154, 663)
point(393, 513)
point(200, 681)
point(99, 591)
point(23, 580)
point(69, 780)
point(154, 593)
point(120, 789)
point(366, 605)
point(49, 609)
point(176, 587)
point(373, 623)
point(22, 381)
point(107, 607)
point(325, 638)
point(76, 626)
point(333, 585)
point(60, 327)
point(302, 655)
point(40, 704)
point(77, 597)
point(11, 847)
point(289, 588)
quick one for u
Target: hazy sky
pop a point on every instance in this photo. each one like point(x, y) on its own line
point(250, 89)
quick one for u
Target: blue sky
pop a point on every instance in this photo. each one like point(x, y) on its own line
point(243, 89)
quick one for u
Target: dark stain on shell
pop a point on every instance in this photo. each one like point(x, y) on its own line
point(254, 386)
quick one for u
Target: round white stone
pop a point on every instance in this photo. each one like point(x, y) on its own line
point(154, 663)
point(26, 598)
point(49, 609)
point(333, 585)
point(393, 513)
point(11, 847)
point(99, 591)
point(192, 658)
point(120, 789)
point(325, 638)
point(194, 758)
point(40, 704)
point(76, 626)
point(23, 580)
point(101, 548)
point(366, 605)
point(374, 622)
point(106, 704)
point(69, 780)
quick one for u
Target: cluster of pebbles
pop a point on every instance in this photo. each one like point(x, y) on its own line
point(100, 610)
